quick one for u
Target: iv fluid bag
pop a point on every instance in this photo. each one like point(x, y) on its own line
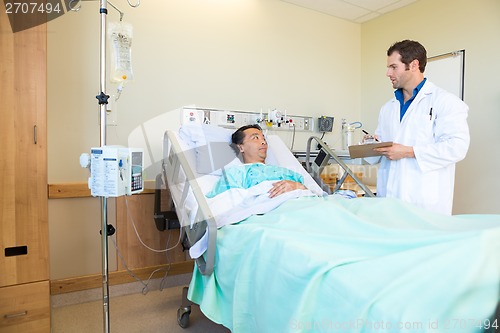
point(120, 38)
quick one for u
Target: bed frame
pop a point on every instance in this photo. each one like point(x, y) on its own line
point(177, 170)
point(324, 156)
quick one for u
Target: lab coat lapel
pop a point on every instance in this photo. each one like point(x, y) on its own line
point(424, 94)
point(394, 125)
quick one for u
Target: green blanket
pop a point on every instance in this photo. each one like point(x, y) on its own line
point(364, 265)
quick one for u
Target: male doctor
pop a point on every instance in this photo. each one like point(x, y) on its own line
point(428, 127)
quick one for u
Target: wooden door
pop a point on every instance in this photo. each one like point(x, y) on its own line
point(23, 154)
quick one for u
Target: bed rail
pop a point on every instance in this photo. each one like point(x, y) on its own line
point(337, 159)
point(177, 171)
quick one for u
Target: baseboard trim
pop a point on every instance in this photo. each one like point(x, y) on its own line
point(81, 190)
point(119, 277)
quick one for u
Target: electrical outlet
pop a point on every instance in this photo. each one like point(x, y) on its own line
point(249, 119)
point(307, 125)
point(299, 123)
point(206, 117)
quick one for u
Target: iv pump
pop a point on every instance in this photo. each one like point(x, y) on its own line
point(114, 170)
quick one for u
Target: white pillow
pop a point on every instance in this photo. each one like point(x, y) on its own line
point(281, 155)
point(202, 133)
point(213, 150)
point(212, 145)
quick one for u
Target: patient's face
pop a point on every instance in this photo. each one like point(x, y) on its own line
point(254, 146)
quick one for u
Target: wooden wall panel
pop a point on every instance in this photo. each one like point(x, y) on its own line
point(138, 210)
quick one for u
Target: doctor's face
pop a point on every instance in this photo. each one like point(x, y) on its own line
point(254, 146)
point(397, 71)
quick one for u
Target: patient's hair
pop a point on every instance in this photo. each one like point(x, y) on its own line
point(238, 136)
point(409, 51)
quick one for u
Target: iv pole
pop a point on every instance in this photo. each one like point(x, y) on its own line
point(106, 230)
point(103, 100)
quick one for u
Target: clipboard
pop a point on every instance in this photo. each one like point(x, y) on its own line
point(366, 150)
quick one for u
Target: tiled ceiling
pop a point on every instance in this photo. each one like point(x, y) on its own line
point(358, 11)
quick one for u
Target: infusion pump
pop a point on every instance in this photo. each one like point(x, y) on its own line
point(114, 170)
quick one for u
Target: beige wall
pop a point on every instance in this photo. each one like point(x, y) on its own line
point(444, 26)
point(243, 55)
point(247, 55)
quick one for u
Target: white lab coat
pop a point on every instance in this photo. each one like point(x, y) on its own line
point(439, 139)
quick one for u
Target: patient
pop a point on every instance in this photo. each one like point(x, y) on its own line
point(252, 145)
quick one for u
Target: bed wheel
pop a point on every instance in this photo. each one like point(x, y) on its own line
point(183, 316)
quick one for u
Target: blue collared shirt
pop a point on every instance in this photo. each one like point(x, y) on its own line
point(399, 96)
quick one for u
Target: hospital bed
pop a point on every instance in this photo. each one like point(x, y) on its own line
point(322, 263)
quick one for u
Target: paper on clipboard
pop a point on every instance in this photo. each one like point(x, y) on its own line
point(366, 150)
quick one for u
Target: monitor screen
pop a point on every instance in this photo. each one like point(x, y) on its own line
point(320, 158)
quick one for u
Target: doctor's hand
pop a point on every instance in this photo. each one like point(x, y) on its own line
point(367, 138)
point(396, 152)
point(284, 186)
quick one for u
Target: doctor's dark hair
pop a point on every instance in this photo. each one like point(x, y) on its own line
point(239, 135)
point(409, 51)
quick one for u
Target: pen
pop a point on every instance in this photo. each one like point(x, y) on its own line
point(371, 137)
point(430, 114)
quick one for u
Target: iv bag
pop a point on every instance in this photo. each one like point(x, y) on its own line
point(120, 37)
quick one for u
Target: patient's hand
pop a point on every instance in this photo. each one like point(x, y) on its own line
point(285, 186)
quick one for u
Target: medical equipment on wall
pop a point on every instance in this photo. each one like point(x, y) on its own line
point(348, 132)
point(325, 124)
point(274, 119)
point(114, 171)
point(120, 37)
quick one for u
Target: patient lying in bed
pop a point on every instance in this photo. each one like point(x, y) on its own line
point(252, 145)
point(252, 188)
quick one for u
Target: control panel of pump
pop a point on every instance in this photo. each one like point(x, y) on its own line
point(114, 170)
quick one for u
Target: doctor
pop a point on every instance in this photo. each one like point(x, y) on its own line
point(428, 127)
